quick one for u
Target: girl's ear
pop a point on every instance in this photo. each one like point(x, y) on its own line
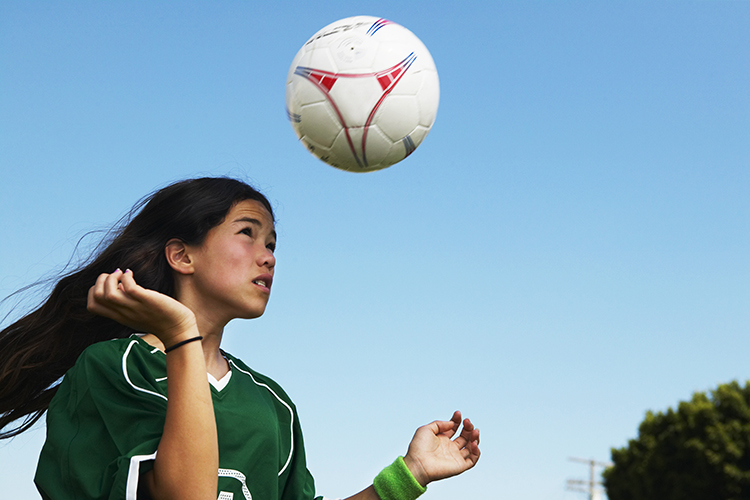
point(178, 256)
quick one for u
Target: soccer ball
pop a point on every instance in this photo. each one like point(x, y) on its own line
point(362, 93)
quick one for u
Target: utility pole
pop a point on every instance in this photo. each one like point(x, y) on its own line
point(592, 483)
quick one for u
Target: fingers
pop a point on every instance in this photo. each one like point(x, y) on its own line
point(98, 293)
point(456, 418)
point(472, 448)
point(469, 430)
point(468, 441)
point(444, 428)
point(128, 284)
point(111, 292)
point(471, 454)
point(448, 428)
point(469, 435)
point(112, 284)
point(468, 444)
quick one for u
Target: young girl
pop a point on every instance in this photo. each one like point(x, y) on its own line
point(150, 407)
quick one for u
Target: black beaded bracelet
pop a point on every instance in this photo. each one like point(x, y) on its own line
point(180, 344)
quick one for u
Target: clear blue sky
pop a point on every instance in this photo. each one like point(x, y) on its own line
point(568, 248)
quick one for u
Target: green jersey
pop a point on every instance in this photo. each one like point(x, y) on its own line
point(106, 420)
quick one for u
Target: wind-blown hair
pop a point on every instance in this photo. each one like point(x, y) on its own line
point(37, 350)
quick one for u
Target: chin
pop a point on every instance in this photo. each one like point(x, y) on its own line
point(252, 314)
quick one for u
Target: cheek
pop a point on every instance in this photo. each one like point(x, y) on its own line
point(235, 263)
point(224, 265)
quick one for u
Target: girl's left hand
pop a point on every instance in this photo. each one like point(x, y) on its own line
point(433, 454)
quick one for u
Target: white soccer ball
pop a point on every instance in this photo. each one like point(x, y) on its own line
point(362, 93)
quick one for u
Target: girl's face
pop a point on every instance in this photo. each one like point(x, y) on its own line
point(233, 267)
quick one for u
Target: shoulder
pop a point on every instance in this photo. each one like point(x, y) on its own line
point(112, 357)
point(112, 371)
point(103, 353)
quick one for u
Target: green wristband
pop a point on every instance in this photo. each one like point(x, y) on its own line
point(396, 482)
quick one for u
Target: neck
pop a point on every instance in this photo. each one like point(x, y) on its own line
point(216, 365)
point(211, 328)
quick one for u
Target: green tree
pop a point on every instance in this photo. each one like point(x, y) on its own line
point(701, 451)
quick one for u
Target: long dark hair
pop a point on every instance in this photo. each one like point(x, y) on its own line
point(37, 350)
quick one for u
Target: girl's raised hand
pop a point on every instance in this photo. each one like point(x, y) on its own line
point(117, 296)
point(433, 454)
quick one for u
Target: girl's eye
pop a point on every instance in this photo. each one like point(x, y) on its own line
point(248, 231)
point(271, 247)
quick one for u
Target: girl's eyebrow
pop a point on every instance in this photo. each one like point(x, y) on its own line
point(255, 222)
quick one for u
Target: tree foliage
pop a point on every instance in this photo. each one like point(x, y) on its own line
point(701, 451)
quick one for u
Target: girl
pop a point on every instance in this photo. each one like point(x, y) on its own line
point(155, 415)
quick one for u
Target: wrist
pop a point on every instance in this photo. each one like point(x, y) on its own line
point(179, 333)
point(171, 348)
point(417, 471)
point(397, 482)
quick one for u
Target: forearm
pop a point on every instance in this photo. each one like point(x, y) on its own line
point(397, 481)
point(187, 460)
point(366, 494)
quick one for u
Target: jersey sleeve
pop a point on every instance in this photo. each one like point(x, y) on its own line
point(300, 484)
point(104, 424)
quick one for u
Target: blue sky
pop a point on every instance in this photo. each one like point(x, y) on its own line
point(566, 250)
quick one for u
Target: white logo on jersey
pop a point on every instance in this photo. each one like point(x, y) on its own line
point(239, 476)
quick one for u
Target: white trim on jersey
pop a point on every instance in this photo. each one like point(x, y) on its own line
point(131, 487)
point(239, 476)
point(125, 372)
point(219, 385)
point(291, 424)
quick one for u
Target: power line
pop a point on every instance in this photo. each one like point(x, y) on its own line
point(582, 485)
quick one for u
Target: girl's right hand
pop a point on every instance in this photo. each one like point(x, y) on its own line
point(117, 296)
